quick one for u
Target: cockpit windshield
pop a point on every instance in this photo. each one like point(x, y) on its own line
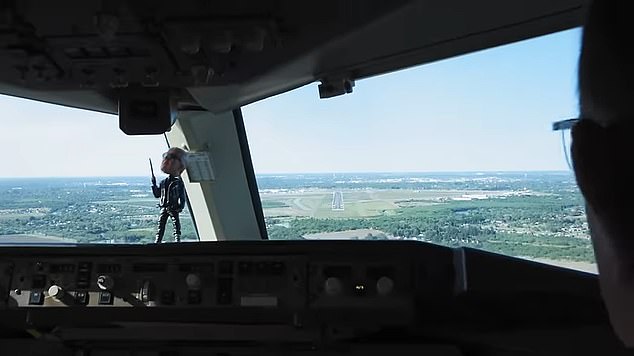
point(458, 152)
point(71, 176)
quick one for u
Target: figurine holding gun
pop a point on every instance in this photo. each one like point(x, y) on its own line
point(171, 191)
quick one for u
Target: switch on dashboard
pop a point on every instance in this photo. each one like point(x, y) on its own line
point(36, 297)
point(105, 298)
point(81, 298)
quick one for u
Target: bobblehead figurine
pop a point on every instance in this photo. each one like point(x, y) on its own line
point(171, 191)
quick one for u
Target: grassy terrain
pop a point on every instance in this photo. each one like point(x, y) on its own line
point(357, 203)
point(547, 223)
point(544, 225)
point(358, 234)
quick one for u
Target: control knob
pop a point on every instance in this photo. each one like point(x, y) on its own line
point(105, 282)
point(193, 281)
point(333, 286)
point(56, 291)
point(384, 286)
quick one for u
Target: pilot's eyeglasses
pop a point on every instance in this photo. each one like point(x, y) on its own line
point(563, 126)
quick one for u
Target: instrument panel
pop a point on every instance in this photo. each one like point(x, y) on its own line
point(150, 282)
point(214, 277)
point(288, 292)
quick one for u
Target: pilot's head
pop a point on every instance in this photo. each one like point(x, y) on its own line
point(602, 140)
point(606, 69)
point(602, 147)
point(174, 161)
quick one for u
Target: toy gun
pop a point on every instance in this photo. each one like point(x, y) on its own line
point(152, 171)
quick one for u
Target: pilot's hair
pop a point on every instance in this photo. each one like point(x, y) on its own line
point(180, 153)
point(606, 64)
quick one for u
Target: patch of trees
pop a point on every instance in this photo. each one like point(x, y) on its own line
point(530, 223)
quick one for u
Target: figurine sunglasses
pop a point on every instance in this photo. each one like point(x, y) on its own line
point(169, 156)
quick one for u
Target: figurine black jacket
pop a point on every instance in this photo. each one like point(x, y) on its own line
point(172, 193)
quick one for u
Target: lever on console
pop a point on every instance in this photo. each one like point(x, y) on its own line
point(146, 294)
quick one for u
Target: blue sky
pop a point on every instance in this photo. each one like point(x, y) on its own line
point(46, 140)
point(490, 110)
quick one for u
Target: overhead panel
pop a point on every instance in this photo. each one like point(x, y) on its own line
point(232, 53)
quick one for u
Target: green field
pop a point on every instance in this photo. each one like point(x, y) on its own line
point(317, 203)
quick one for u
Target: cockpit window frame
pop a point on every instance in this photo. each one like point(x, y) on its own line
point(250, 173)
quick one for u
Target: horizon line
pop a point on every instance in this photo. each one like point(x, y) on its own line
point(314, 172)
